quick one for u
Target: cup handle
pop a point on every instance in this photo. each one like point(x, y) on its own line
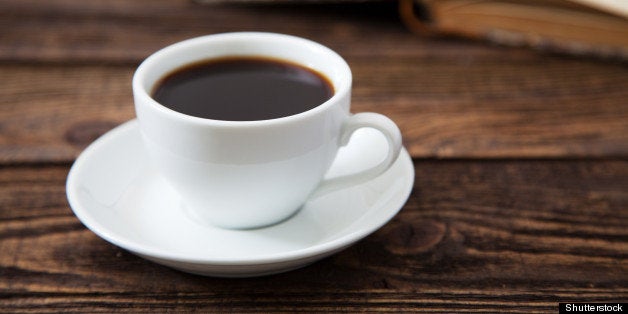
point(357, 121)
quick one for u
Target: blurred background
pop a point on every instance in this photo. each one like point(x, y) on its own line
point(462, 78)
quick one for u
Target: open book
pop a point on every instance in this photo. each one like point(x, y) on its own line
point(581, 27)
point(595, 27)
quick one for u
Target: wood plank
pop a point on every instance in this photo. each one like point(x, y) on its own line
point(127, 31)
point(507, 236)
point(51, 113)
point(556, 108)
point(120, 31)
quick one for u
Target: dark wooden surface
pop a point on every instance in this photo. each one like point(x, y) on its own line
point(521, 193)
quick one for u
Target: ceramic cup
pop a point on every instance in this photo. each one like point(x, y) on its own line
point(248, 174)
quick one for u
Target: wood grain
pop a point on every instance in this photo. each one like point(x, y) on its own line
point(121, 31)
point(557, 109)
point(507, 236)
point(50, 114)
point(68, 65)
point(127, 31)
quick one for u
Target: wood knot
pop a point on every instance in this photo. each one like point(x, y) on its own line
point(85, 132)
point(414, 238)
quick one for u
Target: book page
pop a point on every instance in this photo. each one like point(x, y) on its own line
point(618, 7)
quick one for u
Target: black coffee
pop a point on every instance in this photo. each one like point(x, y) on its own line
point(242, 89)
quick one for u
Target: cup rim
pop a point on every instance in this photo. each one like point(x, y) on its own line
point(341, 90)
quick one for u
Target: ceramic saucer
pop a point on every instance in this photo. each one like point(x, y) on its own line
point(117, 193)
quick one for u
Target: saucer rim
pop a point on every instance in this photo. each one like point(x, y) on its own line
point(89, 221)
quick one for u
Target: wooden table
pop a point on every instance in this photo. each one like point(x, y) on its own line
point(521, 193)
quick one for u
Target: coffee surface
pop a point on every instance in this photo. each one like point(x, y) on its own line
point(242, 89)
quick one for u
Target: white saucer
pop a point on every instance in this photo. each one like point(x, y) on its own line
point(116, 193)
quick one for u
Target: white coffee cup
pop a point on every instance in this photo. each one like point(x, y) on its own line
point(247, 174)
